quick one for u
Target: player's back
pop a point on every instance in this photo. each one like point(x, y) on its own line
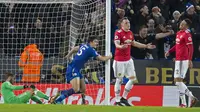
point(6, 92)
point(84, 53)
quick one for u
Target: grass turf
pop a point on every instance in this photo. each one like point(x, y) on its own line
point(80, 108)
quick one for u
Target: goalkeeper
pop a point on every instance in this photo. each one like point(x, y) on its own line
point(10, 98)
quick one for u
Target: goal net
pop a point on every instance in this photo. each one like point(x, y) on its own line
point(54, 26)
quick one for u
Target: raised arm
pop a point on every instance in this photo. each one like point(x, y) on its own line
point(162, 35)
point(140, 45)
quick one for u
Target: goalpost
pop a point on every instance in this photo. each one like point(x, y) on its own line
point(56, 26)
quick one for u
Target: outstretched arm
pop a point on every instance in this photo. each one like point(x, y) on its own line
point(74, 50)
point(104, 58)
point(162, 35)
point(140, 45)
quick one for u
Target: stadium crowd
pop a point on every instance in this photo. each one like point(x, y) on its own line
point(158, 16)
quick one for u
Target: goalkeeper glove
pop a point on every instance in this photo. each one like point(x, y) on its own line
point(32, 86)
point(26, 86)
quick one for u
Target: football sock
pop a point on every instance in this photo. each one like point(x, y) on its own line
point(117, 89)
point(36, 99)
point(41, 94)
point(127, 88)
point(184, 89)
point(182, 97)
point(65, 94)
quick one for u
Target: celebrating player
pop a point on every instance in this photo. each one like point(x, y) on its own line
point(123, 64)
point(73, 75)
point(10, 98)
point(184, 53)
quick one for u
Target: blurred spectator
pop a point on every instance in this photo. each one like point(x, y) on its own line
point(146, 38)
point(164, 7)
point(151, 26)
point(31, 61)
point(38, 23)
point(58, 74)
point(141, 17)
point(139, 3)
point(196, 4)
point(121, 3)
point(190, 14)
point(157, 16)
point(175, 21)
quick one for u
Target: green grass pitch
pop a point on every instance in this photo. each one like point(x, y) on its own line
point(80, 108)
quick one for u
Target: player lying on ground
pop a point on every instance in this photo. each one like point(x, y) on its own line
point(184, 53)
point(73, 75)
point(10, 98)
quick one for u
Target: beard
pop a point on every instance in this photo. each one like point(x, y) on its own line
point(11, 81)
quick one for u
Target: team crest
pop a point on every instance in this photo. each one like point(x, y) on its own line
point(116, 37)
point(190, 38)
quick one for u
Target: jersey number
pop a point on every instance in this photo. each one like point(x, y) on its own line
point(81, 50)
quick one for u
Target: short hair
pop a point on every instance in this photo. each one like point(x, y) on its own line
point(92, 38)
point(188, 21)
point(124, 18)
point(143, 26)
point(8, 75)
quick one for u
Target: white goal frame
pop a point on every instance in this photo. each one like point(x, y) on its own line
point(108, 34)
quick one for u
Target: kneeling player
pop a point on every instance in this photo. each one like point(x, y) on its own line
point(10, 98)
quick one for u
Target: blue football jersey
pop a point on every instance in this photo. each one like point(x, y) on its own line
point(84, 53)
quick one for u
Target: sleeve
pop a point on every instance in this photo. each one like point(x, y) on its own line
point(23, 58)
point(133, 38)
point(117, 36)
point(94, 53)
point(8, 85)
point(189, 43)
point(172, 49)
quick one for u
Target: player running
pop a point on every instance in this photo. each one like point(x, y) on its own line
point(184, 53)
point(10, 98)
point(73, 76)
point(123, 64)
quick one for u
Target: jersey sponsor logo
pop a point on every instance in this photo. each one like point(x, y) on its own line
point(128, 41)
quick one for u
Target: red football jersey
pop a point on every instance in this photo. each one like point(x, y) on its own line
point(183, 44)
point(124, 38)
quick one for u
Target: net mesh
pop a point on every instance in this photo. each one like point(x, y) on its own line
point(55, 27)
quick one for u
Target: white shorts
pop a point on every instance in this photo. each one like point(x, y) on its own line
point(124, 68)
point(181, 68)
